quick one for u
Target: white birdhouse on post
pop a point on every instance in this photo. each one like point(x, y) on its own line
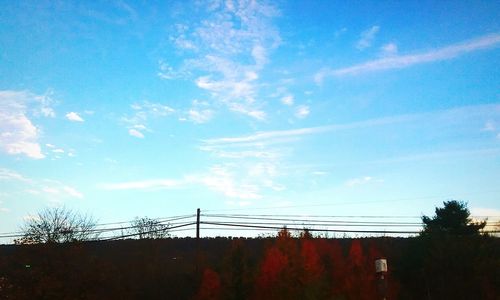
point(381, 271)
point(381, 265)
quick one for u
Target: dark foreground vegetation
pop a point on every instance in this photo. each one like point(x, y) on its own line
point(451, 259)
point(268, 268)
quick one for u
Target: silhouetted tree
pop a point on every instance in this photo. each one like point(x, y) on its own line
point(236, 276)
point(147, 228)
point(453, 218)
point(58, 225)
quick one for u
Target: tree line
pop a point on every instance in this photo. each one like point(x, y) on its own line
point(450, 259)
point(61, 225)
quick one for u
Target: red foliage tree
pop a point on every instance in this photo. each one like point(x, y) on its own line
point(279, 272)
point(311, 261)
point(210, 288)
point(360, 275)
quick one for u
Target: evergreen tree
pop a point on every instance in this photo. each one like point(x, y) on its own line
point(453, 218)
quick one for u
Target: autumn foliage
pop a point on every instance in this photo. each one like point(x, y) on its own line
point(286, 266)
point(299, 268)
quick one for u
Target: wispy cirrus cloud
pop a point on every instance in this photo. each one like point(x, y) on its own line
point(6, 174)
point(137, 122)
point(489, 126)
point(366, 38)
point(219, 178)
point(143, 184)
point(283, 134)
point(362, 181)
point(225, 52)
point(3, 209)
point(200, 116)
point(18, 133)
point(474, 114)
point(52, 190)
point(199, 113)
point(287, 100)
point(404, 61)
point(302, 111)
point(389, 49)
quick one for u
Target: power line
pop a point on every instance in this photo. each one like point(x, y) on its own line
point(317, 224)
point(310, 229)
point(248, 217)
point(264, 222)
point(160, 221)
point(320, 230)
point(147, 232)
point(317, 216)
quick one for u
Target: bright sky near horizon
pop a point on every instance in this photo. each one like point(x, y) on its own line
point(155, 108)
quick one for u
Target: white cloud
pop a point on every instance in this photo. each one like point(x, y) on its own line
point(50, 190)
point(279, 134)
point(18, 135)
point(6, 174)
point(60, 190)
point(259, 54)
point(231, 34)
point(319, 173)
point(49, 146)
point(154, 109)
point(45, 106)
point(287, 100)
point(58, 151)
point(340, 32)
point(143, 184)
point(74, 117)
point(257, 114)
point(302, 111)
point(200, 116)
point(389, 49)
point(168, 72)
point(142, 113)
point(261, 154)
point(222, 179)
point(3, 209)
point(404, 61)
point(362, 181)
point(367, 37)
point(53, 190)
point(489, 126)
point(136, 133)
point(465, 112)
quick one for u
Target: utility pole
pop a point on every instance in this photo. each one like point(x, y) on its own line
point(197, 239)
point(198, 224)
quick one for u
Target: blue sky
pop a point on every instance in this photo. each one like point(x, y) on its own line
point(124, 109)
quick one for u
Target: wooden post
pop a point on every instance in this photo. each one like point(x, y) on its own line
point(197, 240)
point(198, 224)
